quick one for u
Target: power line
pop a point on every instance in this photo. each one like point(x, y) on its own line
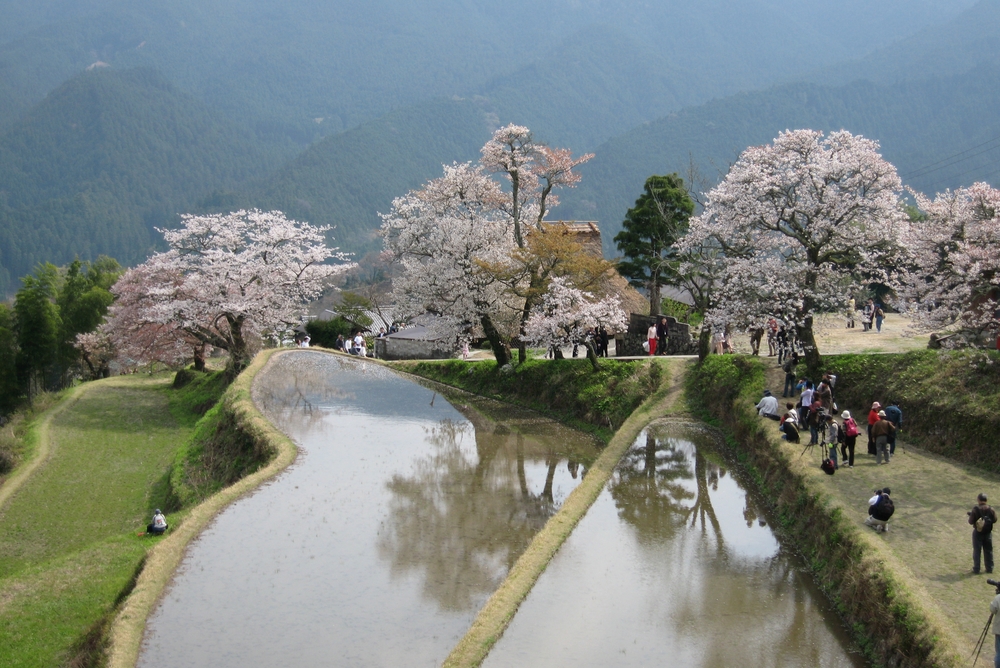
point(951, 161)
point(949, 157)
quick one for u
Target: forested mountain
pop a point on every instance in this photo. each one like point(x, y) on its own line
point(105, 158)
point(919, 124)
point(278, 67)
point(951, 47)
point(192, 105)
point(347, 179)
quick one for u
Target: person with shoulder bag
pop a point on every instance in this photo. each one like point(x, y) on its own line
point(850, 433)
point(982, 518)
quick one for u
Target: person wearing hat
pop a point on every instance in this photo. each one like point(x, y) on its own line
point(982, 533)
point(850, 430)
point(894, 414)
point(872, 419)
point(158, 525)
point(880, 432)
point(768, 406)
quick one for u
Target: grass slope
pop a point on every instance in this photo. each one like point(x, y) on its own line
point(568, 390)
point(68, 545)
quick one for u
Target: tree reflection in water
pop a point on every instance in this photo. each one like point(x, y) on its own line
point(464, 514)
point(663, 488)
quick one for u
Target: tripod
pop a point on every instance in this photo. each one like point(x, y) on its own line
point(986, 629)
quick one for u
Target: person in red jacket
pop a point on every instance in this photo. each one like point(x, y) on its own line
point(872, 419)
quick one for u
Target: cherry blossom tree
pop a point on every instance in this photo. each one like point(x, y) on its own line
point(137, 336)
point(566, 315)
point(462, 241)
point(802, 222)
point(954, 283)
point(96, 352)
point(228, 277)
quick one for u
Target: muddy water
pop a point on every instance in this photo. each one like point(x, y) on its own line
point(674, 565)
point(378, 546)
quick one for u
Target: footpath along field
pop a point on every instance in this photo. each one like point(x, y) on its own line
point(929, 535)
point(68, 543)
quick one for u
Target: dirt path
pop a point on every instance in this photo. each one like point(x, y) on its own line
point(929, 533)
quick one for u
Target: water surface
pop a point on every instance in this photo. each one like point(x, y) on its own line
point(674, 565)
point(378, 546)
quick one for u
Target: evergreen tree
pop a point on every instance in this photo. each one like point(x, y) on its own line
point(10, 390)
point(38, 326)
point(649, 233)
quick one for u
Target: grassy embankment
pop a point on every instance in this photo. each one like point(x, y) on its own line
point(627, 395)
point(97, 466)
point(867, 575)
point(94, 467)
point(567, 390)
point(232, 451)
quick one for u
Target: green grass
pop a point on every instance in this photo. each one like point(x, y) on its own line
point(950, 399)
point(68, 543)
point(568, 390)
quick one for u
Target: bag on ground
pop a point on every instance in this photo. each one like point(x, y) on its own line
point(828, 466)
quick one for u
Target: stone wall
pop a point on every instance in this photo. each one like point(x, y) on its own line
point(679, 341)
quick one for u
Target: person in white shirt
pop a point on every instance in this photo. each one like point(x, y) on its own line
point(768, 406)
point(158, 525)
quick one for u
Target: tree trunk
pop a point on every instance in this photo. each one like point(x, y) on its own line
point(199, 357)
point(239, 351)
point(500, 351)
point(654, 297)
point(522, 351)
point(808, 339)
point(592, 354)
point(704, 343)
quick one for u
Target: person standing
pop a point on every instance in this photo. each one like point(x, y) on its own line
point(834, 437)
point(782, 339)
point(850, 431)
point(982, 518)
point(805, 402)
point(772, 337)
point(651, 338)
point(867, 314)
point(881, 431)
point(604, 339)
point(995, 611)
point(789, 368)
point(851, 308)
point(879, 315)
point(662, 334)
point(895, 415)
point(872, 419)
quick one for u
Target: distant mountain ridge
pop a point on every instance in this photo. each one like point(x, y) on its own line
point(917, 123)
point(105, 158)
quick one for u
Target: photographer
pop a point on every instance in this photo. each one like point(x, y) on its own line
point(982, 518)
point(995, 612)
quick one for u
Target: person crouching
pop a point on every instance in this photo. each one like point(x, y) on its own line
point(159, 524)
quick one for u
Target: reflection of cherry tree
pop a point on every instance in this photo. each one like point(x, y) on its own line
point(462, 518)
point(648, 487)
point(295, 386)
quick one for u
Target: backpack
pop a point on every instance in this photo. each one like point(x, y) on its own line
point(828, 467)
point(840, 434)
point(850, 427)
point(884, 508)
point(984, 524)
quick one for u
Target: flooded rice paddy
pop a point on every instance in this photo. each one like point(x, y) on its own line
point(402, 514)
point(676, 565)
point(405, 511)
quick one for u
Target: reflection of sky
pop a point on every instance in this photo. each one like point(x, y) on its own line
point(624, 592)
point(377, 547)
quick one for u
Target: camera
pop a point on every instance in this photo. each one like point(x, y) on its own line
point(995, 583)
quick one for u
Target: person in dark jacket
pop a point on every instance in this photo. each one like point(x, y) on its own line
point(662, 333)
point(982, 533)
point(894, 415)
